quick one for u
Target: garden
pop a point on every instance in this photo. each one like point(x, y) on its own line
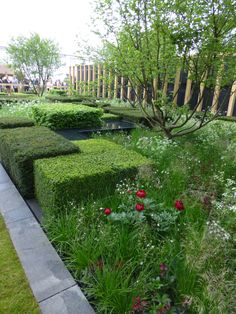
point(145, 224)
point(144, 218)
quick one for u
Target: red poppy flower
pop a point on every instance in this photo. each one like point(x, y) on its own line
point(107, 211)
point(141, 193)
point(139, 207)
point(179, 205)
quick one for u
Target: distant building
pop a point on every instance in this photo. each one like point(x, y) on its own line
point(4, 69)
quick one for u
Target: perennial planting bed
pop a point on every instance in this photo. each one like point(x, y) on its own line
point(146, 226)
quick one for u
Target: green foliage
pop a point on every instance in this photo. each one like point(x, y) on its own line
point(16, 295)
point(70, 99)
point(35, 58)
point(185, 259)
point(90, 174)
point(58, 92)
point(110, 116)
point(65, 116)
point(15, 122)
point(18, 109)
point(131, 114)
point(21, 146)
point(146, 42)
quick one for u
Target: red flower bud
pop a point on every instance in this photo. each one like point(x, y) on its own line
point(141, 193)
point(179, 205)
point(139, 207)
point(107, 211)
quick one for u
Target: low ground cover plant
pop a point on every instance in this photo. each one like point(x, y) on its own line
point(19, 147)
point(164, 241)
point(62, 116)
point(89, 174)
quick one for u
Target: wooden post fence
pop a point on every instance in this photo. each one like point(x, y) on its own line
point(98, 81)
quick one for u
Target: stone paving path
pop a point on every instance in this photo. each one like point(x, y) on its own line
point(53, 286)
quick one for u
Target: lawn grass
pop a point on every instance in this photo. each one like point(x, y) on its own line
point(15, 294)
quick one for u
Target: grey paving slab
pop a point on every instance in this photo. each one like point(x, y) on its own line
point(9, 197)
point(45, 270)
point(70, 301)
point(14, 215)
point(3, 175)
point(53, 286)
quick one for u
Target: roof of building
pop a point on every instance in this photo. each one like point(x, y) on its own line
point(4, 69)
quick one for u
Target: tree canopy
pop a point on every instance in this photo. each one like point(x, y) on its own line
point(146, 41)
point(36, 58)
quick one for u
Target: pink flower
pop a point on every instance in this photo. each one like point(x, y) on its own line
point(163, 267)
point(179, 205)
point(141, 193)
point(107, 211)
point(139, 207)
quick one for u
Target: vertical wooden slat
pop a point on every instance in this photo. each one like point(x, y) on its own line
point(115, 86)
point(188, 89)
point(99, 81)
point(73, 77)
point(94, 80)
point(89, 78)
point(176, 86)
point(76, 77)
point(232, 100)
point(122, 88)
point(104, 83)
point(129, 90)
point(109, 86)
point(80, 79)
point(85, 78)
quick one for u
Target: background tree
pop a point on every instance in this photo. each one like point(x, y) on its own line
point(36, 58)
point(146, 41)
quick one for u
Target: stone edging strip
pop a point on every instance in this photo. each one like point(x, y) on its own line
point(53, 286)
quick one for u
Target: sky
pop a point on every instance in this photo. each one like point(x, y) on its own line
point(54, 19)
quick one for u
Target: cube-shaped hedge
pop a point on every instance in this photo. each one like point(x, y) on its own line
point(21, 146)
point(15, 122)
point(92, 173)
point(65, 116)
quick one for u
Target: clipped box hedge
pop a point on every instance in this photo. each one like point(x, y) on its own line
point(92, 173)
point(21, 146)
point(15, 122)
point(65, 116)
point(70, 99)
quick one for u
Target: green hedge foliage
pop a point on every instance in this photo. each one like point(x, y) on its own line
point(130, 114)
point(110, 116)
point(78, 177)
point(21, 146)
point(70, 99)
point(15, 122)
point(65, 116)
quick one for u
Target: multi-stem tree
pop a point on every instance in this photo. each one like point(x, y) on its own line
point(147, 41)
